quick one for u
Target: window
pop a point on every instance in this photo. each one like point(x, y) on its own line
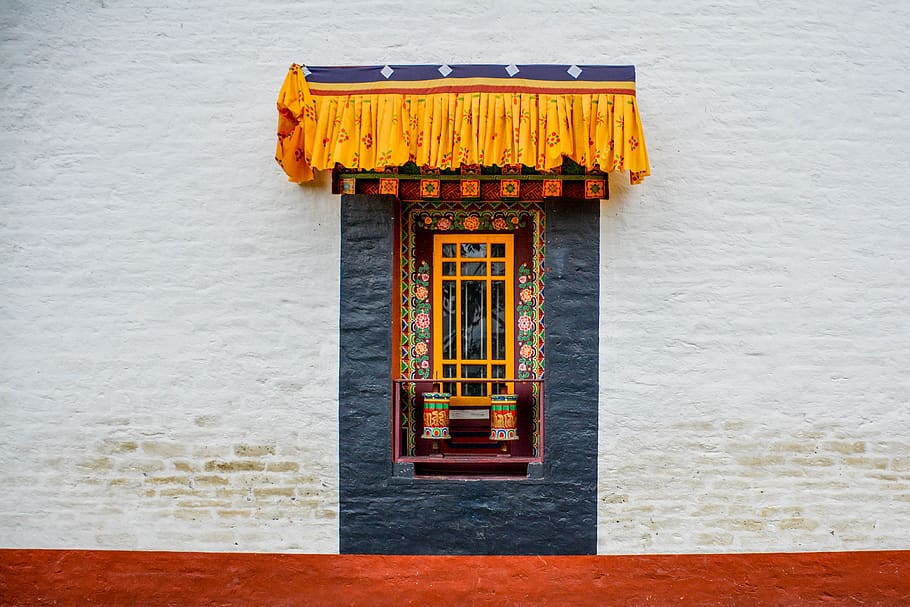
point(471, 312)
point(473, 305)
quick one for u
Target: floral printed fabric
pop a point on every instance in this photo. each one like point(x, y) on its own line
point(475, 124)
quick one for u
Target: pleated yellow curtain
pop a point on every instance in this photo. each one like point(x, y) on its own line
point(373, 130)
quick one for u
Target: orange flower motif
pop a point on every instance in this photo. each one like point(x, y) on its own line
point(527, 351)
point(526, 295)
point(421, 292)
point(420, 349)
point(500, 224)
point(471, 223)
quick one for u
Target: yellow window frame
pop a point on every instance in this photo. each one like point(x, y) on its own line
point(509, 278)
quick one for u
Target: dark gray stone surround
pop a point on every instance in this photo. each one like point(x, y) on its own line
point(554, 511)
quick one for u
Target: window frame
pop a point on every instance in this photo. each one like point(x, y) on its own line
point(439, 277)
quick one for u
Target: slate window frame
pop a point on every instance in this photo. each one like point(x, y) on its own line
point(383, 509)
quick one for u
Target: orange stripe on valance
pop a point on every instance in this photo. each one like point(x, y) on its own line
point(443, 117)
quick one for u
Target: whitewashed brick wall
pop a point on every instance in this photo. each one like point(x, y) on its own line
point(168, 302)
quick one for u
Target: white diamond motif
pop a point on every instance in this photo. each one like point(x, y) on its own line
point(574, 71)
point(512, 69)
point(386, 72)
point(306, 72)
point(445, 70)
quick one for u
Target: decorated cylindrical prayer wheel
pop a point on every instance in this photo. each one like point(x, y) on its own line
point(436, 415)
point(504, 417)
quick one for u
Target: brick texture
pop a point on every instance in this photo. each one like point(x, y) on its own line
point(169, 303)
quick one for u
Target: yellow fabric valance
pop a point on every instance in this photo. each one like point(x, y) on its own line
point(443, 117)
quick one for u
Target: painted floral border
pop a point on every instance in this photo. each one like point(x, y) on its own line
point(420, 335)
point(471, 220)
point(529, 314)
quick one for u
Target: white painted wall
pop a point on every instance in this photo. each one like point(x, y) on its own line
point(755, 394)
point(168, 302)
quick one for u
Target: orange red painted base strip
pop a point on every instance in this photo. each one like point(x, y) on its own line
point(70, 577)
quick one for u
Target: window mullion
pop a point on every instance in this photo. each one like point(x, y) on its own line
point(508, 317)
point(489, 319)
point(459, 329)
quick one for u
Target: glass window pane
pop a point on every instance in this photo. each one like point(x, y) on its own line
point(449, 250)
point(474, 268)
point(479, 371)
point(473, 320)
point(473, 389)
point(498, 371)
point(497, 268)
point(474, 371)
point(473, 249)
point(448, 268)
point(449, 371)
point(497, 250)
point(498, 319)
point(449, 319)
